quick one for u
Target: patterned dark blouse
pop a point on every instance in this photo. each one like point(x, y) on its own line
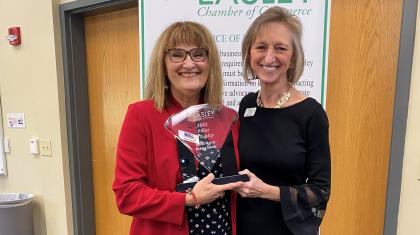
point(212, 218)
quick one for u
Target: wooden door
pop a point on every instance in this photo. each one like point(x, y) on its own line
point(363, 55)
point(112, 50)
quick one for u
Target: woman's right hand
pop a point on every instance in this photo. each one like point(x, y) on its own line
point(206, 192)
point(255, 187)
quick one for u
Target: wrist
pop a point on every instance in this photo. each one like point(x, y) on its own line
point(272, 193)
point(188, 200)
point(193, 201)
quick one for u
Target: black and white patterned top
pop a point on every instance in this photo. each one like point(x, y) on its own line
point(212, 218)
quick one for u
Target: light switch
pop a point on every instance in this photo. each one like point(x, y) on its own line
point(45, 147)
point(34, 146)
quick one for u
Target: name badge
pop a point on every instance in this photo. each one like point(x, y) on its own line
point(183, 135)
point(250, 112)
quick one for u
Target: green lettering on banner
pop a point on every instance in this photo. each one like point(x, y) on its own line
point(205, 2)
point(268, 1)
point(285, 1)
point(234, 1)
point(249, 2)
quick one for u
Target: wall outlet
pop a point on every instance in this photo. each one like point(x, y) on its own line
point(45, 147)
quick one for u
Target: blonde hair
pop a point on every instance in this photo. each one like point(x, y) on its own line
point(189, 33)
point(275, 15)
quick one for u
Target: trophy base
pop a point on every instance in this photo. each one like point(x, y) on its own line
point(220, 181)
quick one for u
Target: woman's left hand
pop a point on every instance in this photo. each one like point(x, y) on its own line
point(255, 187)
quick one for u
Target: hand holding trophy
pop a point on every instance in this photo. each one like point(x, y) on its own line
point(204, 138)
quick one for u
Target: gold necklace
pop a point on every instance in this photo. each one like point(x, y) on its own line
point(280, 102)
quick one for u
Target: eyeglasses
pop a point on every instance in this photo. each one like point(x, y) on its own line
point(178, 55)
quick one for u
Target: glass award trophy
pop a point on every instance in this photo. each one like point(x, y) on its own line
point(203, 134)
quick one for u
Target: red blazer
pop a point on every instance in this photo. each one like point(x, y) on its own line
point(147, 171)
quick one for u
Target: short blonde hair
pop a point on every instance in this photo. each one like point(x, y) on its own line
point(275, 15)
point(189, 33)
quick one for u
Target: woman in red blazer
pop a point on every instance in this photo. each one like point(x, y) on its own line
point(184, 71)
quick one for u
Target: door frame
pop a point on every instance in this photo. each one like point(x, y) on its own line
point(399, 125)
point(77, 108)
point(72, 16)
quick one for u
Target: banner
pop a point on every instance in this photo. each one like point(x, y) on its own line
point(228, 21)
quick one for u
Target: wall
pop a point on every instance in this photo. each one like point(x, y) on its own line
point(408, 217)
point(31, 82)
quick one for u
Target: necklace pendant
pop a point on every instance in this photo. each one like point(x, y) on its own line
point(283, 100)
point(280, 102)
